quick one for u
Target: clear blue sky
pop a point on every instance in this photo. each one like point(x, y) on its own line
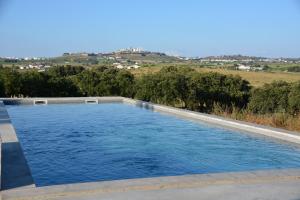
point(184, 27)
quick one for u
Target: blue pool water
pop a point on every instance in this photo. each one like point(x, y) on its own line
point(83, 143)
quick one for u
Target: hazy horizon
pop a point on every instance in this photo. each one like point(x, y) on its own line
point(191, 28)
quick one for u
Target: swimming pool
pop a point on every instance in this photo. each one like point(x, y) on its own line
point(74, 143)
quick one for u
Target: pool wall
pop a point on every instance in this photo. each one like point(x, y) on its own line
point(16, 173)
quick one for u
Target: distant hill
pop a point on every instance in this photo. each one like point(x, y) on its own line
point(140, 57)
point(147, 57)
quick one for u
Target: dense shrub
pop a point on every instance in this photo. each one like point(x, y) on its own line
point(146, 88)
point(209, 88)
point(61, 87)
point(294, 98)
point(87, 82)
point(294, 69)
point(126, 84)
point(186, 88)
point(64, 71)
point(36, 84)
point(106, 82)
point(277, 97)
point(2, 89)
point(11, 81)
point(33, 84)
point(169, 86)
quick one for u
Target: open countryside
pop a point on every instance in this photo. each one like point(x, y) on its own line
point(256, 70)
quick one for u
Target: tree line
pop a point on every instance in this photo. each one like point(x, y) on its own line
point(175, 86)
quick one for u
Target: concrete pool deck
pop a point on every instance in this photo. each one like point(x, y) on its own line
point(17, 182)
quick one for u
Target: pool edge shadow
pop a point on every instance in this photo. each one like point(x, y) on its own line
point(15, 171)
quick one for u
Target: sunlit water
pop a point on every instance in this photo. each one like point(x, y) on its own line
point(84, 143)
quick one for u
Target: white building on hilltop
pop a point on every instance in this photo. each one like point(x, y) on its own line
point(131, 50)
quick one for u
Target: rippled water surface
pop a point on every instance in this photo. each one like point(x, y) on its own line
point(84, 143)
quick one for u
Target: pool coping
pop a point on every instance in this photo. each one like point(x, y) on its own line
point(8, 135)
point(80, 190)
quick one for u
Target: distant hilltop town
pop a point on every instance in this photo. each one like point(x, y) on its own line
point(134, 58)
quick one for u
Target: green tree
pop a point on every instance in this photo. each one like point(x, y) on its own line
point(11, 81)
point(270, 98)
point(169, 86)
point(108, 85)
point(294, 98)
point(126, 83)
point(2, 89)
point(62, 87)
point(64, 71)
point(197, 91)
point(206, 89)
point(33, 84)
point(293, 69)
point(146, 88)
point(87, 82)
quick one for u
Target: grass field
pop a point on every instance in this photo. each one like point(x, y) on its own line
point(255, 78)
